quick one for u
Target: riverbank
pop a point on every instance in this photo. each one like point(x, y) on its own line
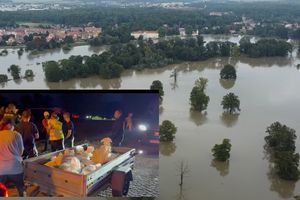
point(75, 44)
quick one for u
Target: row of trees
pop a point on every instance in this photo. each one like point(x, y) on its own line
point(80, 67)
point(114, 35)
point(140, 54)
point(265, 47)
point(39, 42)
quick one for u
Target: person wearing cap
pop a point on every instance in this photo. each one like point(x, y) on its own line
point(68, 129)
point(11, 150)
point(29, 133)
point(45, 129)
point(56, 135)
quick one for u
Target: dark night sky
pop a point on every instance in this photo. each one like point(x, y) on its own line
point(141, 104)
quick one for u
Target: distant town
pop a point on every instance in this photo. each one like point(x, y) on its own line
point(16, 35)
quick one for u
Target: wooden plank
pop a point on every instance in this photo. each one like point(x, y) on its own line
point(56, 180)
point(51, 189)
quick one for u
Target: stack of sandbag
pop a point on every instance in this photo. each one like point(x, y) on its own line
point(102, 153)
point(82, 161)
point(55, 160)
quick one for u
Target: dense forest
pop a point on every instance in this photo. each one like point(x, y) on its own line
point(269, 14)
point(141, 53)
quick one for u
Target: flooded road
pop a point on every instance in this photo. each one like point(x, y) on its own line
point(268, 89)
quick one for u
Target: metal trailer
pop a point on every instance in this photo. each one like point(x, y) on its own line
point(116, 173)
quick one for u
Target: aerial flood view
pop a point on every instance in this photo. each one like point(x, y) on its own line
point(225, 74)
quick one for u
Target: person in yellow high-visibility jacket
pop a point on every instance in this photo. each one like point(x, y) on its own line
point(56, 135)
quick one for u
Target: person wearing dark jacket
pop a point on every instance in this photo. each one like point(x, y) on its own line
point(29, 133)
point(117, 129)
point(68, 129)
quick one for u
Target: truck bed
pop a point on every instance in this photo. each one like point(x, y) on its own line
point(57, 182)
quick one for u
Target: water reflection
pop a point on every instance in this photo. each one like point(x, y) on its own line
point(167, 148)
point(226, 84)
point(29, 79)
point(266, 62)
point(2, 85)
point(221, 167)
point(285, 189)
point(198, 118)
point(17, 81)
point(161, 109)
point(182, 194)
point(229, 120)
point(111, 83)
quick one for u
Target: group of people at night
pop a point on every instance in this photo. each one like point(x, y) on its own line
point(17, 140)
point(18, 135)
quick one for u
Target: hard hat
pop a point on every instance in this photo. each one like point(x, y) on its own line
point(46, 113)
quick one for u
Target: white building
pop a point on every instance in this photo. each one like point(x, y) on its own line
point(145, 34)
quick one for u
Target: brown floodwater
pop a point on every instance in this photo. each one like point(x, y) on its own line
point(268, 89)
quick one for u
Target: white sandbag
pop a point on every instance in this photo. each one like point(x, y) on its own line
point(88, 169)
point(71, 163)
point(79, 150)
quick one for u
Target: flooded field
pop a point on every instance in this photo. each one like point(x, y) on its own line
point(268, 89)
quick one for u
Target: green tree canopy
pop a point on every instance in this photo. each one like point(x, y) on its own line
point(286, 165)
point(52, 71)
point(157, 85)
point(3, 78)
point(228, 72)
point(281, 142)
point(198, 99)
point(29, 73)
point(281, 137)
point(221, 152)
point(167, 131)
point(231, 102)
point(15, 71)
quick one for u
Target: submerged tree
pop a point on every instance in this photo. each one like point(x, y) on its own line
point(231, 102)
point(3, 78)
point(157, 85)
point(52, 71)
point(228, 72)
point(281, 142)
point(198, 99)
point(167, 131)
point(15, 71)
point(221, 152)
point(286, 165)
point(280, 138)
point(183, 170)
point(29, 73)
